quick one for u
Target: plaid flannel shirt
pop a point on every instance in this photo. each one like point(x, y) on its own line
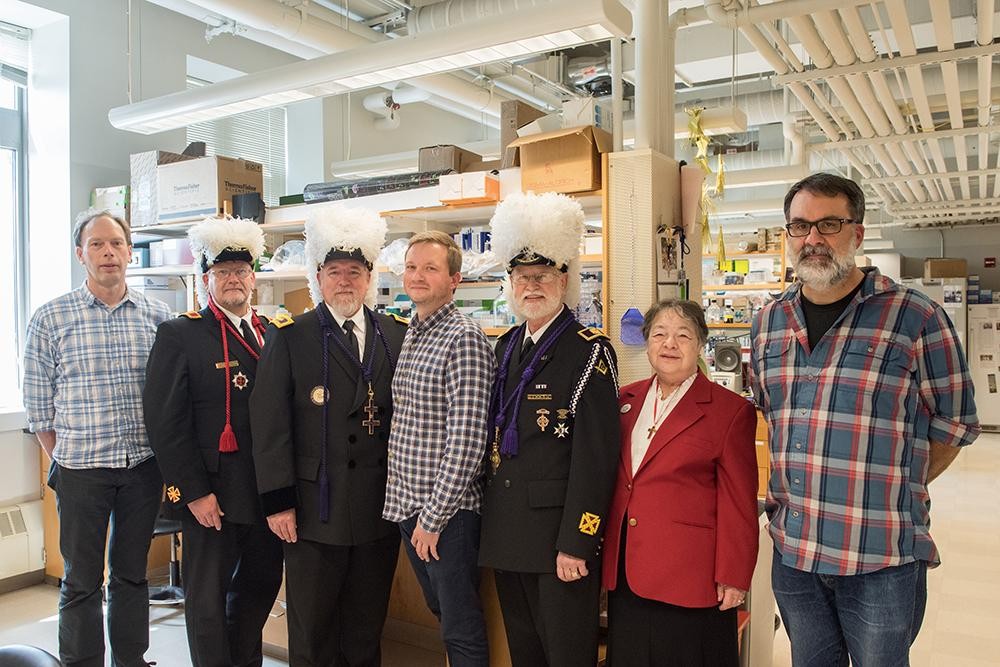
point(441, 401)
point(851, 423)
point(84, 370)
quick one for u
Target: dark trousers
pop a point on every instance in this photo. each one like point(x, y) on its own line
point(337, 599)
point(451, 588)
point(651, 633)
point(87, 500)
point(550, 622)
point(231, 577)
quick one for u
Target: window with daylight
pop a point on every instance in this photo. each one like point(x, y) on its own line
point(14, 42)
point(252, 135)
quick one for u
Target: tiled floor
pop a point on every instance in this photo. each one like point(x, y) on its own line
point(960, 627)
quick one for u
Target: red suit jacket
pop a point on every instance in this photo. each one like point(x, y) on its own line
point(693, 499)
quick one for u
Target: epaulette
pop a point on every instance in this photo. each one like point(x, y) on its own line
point(405, 321)
point(591, 333)
point(282, 321)
point(191, 315)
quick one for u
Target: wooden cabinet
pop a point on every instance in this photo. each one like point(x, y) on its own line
point(763, 455)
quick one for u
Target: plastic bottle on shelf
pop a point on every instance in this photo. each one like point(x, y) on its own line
point(728, 313)
point(282, 311)
point(713, 314)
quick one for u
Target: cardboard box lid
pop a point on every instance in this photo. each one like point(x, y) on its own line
point(601, 139)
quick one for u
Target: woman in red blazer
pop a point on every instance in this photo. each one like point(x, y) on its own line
point(681, 541)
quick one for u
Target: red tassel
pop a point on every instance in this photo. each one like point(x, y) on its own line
point(227, 441)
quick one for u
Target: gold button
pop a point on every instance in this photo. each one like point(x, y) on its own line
point(632, 522)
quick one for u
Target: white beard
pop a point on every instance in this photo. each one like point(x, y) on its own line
point(534, 310)
point(345, 306)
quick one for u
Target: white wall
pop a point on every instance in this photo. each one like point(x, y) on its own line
point(970, 243)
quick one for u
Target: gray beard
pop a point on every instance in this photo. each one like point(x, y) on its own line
point(836, 271)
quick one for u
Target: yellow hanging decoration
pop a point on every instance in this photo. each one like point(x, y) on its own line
point(706, 207)
point(720, 176)
point(720, 254)
point(698, 138)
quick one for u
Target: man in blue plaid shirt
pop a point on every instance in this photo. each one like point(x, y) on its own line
point(84, 371)
point(441, 398)
point(868, 398)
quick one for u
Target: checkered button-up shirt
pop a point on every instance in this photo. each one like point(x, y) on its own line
point(441, 400)
point(851, 424)
point(84, 370)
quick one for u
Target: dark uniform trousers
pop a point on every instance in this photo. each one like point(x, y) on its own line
point(553, 496)
point(338, 574)
point(231, 576)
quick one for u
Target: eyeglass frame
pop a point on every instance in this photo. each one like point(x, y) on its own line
point(815, 224)
point(541, 278)
point(242, 273)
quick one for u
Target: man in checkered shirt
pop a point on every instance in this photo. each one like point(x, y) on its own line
point(868, 399)
point(441, 395)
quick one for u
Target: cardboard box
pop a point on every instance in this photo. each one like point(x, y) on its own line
point(944, 267)
point(514, 115)
point(510, 181)
point(587, 111)
point(143, 185)
point(113, 199)
point(450, 188)
point(566, 160)
point(204, 186)
point(140, 258)
point(476, 187)
point(548, 123)
point(170, 252)
point(445, 157)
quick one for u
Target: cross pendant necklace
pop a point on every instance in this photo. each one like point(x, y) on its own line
point(371, 410)
point(657, 421)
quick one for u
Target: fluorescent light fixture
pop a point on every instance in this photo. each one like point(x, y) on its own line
point(718, 120)
point(762, 176)
point(547, 26)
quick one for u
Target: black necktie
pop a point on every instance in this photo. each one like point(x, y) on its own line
point(249, 336)
point(352, 338)
point(526, 350)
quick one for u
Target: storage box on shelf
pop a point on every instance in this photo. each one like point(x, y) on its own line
point(732, 305)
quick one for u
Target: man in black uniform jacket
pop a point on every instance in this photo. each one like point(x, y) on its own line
point(553, 461)
point(323, 404)
point(198, 381)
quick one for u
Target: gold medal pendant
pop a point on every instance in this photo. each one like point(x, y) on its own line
point(542, 420)
point(495, 452)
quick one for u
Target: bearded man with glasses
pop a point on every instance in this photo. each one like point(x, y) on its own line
point(554, 441)
point(868, 398)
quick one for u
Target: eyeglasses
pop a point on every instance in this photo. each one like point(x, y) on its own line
point(826, 226)
point(522, 279)
point(240, 273)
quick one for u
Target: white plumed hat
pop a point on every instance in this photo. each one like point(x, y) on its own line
point(217, 240)
point(343, 233)
point(544, 229)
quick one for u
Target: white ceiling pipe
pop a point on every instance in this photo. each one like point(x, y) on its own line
point(946, 207)
point(945, 35)
point(731, 14)
point(327, 37)
point(647, 90)
point(198, 13)
point(860, 102)
point(774, 59)
point(984, 36)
